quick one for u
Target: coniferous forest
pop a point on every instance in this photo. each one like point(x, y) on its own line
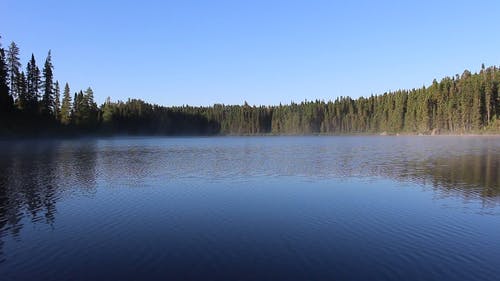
point(34, 103)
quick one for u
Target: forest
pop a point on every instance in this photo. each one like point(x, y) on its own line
point(34, 103)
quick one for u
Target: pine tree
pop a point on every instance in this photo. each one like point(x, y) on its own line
point(91, 107)
point(107, 111)
point(33, 85)
point(13, 67)
point(6, 101)
point(57, 103)
point(66, 106)
point(48, 106)
point(22, 89)
point(74, 108)
point(79, 109)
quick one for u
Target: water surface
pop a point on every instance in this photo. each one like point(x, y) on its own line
point(251, 208)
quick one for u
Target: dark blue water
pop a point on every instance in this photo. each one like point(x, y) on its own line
point(251, 208)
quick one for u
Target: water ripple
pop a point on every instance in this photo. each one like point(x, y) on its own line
point(251, 208)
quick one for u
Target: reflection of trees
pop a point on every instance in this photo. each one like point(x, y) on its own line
point(472, 175)
point(466, 170)
point(35, 175)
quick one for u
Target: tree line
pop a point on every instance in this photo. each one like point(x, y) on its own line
point(31, 102)
point(30, 99)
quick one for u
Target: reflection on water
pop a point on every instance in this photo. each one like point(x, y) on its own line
point(35, 176)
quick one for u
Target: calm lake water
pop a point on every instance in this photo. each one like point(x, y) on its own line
point(251, 208)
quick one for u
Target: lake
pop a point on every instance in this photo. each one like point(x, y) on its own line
point(251, 208)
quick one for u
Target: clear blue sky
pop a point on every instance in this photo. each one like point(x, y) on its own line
point(264, 52)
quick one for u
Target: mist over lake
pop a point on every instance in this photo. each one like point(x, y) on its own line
point(249, 140)
point(250, 208)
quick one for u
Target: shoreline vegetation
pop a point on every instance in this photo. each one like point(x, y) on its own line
point(90, 136)
point(34, 104)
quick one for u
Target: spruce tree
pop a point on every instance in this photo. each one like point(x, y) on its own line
point(107, 111)
point(79, 109)
point(48, 106)
point(66, 106)
point(6, 101)
point(74, 109)
point(33, 85)
point(91, 107)
point(57, 102)
point(13, 67)
point(22, 89)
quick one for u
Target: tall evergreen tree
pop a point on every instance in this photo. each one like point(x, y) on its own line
point(107, 111)
point(22, 89)
point(57, 101)
point(74, 109)
point(13, 66)
point(66, 106)
point(33, 85)
point(89, 97)
point(91, 107)
point(47, 104)
point(6, 101)
point(459, 104)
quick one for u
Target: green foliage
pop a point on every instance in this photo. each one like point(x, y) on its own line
point(66, 106)
point(6, 101)
point(29, 99)
point(21, 85)
point(48, 99)
point(13, 67)
point(85, 111)
point(468, 103)
point(57, 102)
point(454, 105)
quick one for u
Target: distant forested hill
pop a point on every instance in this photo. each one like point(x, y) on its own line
point(31, 103)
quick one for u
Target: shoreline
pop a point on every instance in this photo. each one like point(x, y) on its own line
point(106, 136)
